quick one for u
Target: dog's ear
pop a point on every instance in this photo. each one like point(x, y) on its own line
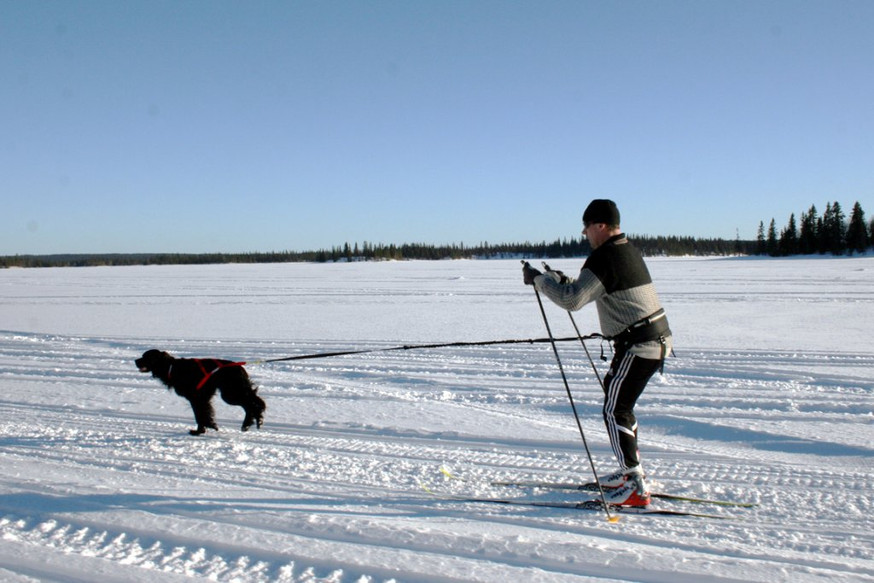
point(155, 355)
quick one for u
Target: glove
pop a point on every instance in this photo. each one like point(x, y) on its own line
point(529, 273)
point(557, 275)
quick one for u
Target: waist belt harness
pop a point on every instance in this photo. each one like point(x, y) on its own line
point(653, 327)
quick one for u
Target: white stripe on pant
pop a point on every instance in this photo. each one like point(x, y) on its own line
point(624, 384)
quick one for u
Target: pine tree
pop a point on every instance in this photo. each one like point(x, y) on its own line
point(807, 237)
point(823, 229)
point(760, 239)
point(857, 235)
point(789, 238)
point(771, 245)
point(834, 229)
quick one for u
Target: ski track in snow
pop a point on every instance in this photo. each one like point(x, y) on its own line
point(102, 482)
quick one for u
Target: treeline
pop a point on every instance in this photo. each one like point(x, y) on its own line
point(830, 233)
point(650, 246)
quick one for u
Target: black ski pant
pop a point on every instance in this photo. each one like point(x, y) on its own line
point(623, 385)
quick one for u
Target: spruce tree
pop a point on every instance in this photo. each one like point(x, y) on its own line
point(772, 239)
point(823, 230)
point(807, 237)
point(836, 242)
point(857, 235)
point(789, 238)
point(760, 239)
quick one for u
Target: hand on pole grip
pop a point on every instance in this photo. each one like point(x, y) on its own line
point(529, 273)
point(557, 275)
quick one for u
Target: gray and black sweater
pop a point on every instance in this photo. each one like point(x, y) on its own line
point(615, 277)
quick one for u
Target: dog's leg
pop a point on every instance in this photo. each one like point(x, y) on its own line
point(204, 415)
point(261, 406)
point(254, 407)
point(242, 394)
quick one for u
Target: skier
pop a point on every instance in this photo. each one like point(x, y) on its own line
point(615, 277)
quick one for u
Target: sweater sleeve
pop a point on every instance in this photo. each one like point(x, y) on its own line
point(574, 295)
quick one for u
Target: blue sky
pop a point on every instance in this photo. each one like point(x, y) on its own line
point(204, 126)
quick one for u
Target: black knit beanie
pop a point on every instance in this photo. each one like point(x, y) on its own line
point(601, 210)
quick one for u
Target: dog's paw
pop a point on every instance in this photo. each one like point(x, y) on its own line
point(249, 421)
point(201, 429)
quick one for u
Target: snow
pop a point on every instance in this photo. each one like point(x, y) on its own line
point(768, 400)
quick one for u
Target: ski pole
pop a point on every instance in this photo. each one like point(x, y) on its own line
point(583, 341)
point(610, 517)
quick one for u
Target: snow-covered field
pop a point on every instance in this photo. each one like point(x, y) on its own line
point(769, 400)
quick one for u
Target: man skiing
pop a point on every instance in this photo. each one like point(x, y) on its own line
point(615, 277)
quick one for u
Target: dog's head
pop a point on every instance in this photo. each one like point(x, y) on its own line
point(154, 361)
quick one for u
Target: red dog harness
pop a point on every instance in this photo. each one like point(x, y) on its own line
point(207, 373)
point(218, 366)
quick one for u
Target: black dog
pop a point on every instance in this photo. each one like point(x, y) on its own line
point(198, 379)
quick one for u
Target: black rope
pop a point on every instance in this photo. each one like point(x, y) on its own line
point(420, 347)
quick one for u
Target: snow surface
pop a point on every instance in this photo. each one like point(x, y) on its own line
point(769, 400)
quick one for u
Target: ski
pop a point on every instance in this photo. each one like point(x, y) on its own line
point(589, 505)
point(593, 487)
